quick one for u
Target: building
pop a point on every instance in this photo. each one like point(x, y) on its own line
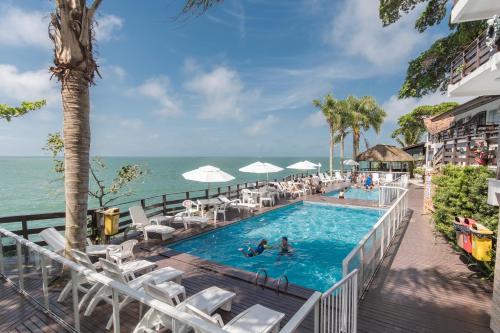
point(476, 72)
point(466, 135)
point(417, 151)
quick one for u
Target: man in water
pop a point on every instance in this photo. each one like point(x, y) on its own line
point(251, 252)
point(285, 248)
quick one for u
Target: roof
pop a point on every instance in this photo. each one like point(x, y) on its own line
point(433, 125)
point(417, 145)
point(467, 106)
point(385, 153)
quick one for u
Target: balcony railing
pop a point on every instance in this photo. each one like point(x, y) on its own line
point(474, 55)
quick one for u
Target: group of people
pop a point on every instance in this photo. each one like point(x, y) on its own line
point(366, 181)
point(284, 248)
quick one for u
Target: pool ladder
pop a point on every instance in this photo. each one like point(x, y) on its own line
point(277, 283)
point(257, 275)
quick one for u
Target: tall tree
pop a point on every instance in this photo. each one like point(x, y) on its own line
point(365, 114)
point(71, 31)
point(8, 112)
point(344, 122)
point(411, 125)
point(328, 107)
point(427, 73)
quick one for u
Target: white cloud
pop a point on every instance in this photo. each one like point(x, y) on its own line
point(131, 123)
point(18, 86)
point(395, 107)
point(358, 30)
point(107, 26)
point(222, 92)
point(23, 28)
point(159, 90)
point(315, 119)
point(262, 126)
point(114, 71)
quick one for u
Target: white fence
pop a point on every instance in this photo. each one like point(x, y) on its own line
point(370, 251)
point(339, 306)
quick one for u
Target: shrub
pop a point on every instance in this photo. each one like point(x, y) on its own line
point(463, 191)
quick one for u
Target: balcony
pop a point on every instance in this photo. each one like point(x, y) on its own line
point(473, 10)
point(476, 72)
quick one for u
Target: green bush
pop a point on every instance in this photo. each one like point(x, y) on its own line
point(463, 191)
point(419, 171)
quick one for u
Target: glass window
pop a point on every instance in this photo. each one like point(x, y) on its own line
point(493, 117)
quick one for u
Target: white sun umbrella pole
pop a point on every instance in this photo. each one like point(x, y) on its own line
point(208, 174)
point(261, 167)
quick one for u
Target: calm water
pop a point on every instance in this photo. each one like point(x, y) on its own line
point(29, 185)
point(356, 193)
point(321, 236)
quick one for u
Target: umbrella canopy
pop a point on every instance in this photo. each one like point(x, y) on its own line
point(384, 153)
point(350, 162)
point(208, 174)
point(260, 167)
point(304, 165)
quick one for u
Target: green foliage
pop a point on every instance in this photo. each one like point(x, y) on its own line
point(411, 125)
point(9, 112)
point(199, 6)
point(105, 194)
point(419, 171)
point(463, 191)
point(428, 72)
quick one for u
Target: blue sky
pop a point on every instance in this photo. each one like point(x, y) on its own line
point(238, 80)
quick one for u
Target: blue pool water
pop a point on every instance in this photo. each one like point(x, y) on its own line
point(356, 193)
point(321, 235)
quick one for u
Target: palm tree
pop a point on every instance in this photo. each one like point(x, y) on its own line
point(71, 31)
point(366, 114)
point(344, 122)
point(328, 108)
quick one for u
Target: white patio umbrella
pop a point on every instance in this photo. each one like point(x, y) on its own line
point(208, 174)
point(304, 165)
point(261, 167)
point(351, 162)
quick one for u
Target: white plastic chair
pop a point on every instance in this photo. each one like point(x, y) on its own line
point(122, 252)
point(141, 223)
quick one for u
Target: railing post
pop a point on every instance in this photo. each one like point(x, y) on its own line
point(45, 280)
point(116, 311)
point(206, 193)
point(187, 195)
point(164, 202)
point(24, 224)
point(229, 192)
point(74, 289)
point(316, 316)
point(20, 269)
point(143, 203)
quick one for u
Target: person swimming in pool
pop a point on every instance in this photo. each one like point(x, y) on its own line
point(251, 252)
point(285, 248)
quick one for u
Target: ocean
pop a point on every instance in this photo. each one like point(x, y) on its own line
point(29, 185)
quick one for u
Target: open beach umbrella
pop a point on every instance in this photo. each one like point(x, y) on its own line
point(261, 167)
point(304, 165)
point(351, 162)
point(208, 174)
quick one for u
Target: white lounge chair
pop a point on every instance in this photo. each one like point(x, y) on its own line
point(128, 269)
point(338, 176)
point(57, 243)
point(389, 178)
point(187, 219)
point(113, 271)
point(255, 319)
point(237, 204)
point(206, 301)
point(140, 222)
point(376, 178)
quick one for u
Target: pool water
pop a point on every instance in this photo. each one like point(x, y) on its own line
point(321, 235)
point(356, 193)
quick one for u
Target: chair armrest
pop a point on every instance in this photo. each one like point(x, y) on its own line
point(216, 318)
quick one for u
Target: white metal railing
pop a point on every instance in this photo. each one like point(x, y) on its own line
point(46, 259)
point(370, 250)
point(312, 304)
point(339, 306)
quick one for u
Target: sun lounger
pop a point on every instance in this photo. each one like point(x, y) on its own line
point(57, 242)
point(237, 203)
point(206, 302)
point(188, 220)
point(140, 222)
point(113, 271)
point(255, 319)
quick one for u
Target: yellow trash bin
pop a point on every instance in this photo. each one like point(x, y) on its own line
point(111, 218)
point(481, 242)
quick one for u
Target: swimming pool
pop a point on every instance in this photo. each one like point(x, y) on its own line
point(356, 193)
point(321, 235)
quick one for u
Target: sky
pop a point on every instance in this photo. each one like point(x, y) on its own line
point(236, 81)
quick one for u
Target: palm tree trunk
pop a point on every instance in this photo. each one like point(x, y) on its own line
point(331, 152)
point(75, 97)
point(342, 153)
point(355, 143)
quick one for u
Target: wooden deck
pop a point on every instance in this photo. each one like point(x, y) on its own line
point(423, 285)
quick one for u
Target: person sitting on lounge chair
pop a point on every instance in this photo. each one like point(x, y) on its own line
point(368, 182)
point(251, 252)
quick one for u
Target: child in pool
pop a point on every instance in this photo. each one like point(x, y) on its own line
point(251, 252)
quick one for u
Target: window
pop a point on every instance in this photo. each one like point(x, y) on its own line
point(493, 117)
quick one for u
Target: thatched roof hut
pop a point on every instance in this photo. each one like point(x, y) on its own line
point(384, 153)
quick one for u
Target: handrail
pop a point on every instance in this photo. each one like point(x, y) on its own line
point(262, 270)
point(338, 284)
point(278, 283)
point(381, 234)
point(303, 312)
point(117, 287)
